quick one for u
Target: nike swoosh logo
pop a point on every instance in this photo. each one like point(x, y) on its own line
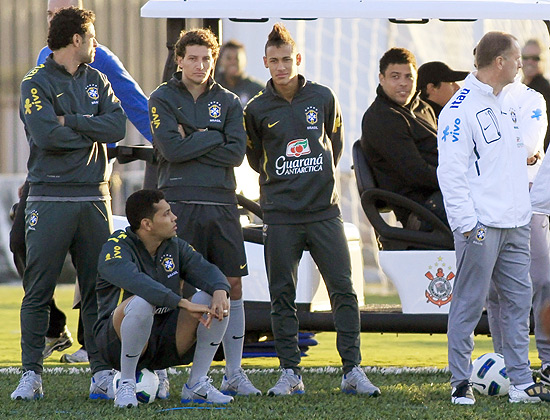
point(131, 356)
point(214, 344)
point(60, 94)
point(238, 338)
point(479, 384)
point(485, 128)
point(273, 125)
point(201, 396)
point(242, 266)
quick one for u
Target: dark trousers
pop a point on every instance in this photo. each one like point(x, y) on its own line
point(58, 319)
point(81, 228)
point(327, 243)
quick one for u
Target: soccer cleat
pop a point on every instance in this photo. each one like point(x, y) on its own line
point(79, 356)
point(164, 384)
point(463, 394)
point(64, 341)
point(532, 394)
point(203, 392)
point(545, 375)
point(29, 388)
point(357, 382)
point(125, 396)
point(289, 383)
point(101, 386)
point(238, 384)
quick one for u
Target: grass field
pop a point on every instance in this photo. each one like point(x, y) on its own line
point(418, 393)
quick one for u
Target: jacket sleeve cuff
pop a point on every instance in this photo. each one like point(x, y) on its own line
point(172, 300)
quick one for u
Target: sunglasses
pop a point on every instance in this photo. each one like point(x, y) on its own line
point(530, 57)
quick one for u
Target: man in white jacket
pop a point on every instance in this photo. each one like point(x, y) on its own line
point(533, 120)
point(483, 178)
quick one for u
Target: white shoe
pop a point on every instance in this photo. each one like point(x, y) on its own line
point(29, 388)
point(532, 394)
point(238, 384)
point(203, 392)
point(79, 356)
point(126, 395)
point(164, 384)
point(357, 382)
point(289, 383)
point(101, 386)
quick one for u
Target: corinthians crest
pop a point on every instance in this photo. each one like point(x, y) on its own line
point(440, 290)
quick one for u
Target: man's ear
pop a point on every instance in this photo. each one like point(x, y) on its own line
point(77, 40)
point(265, 62)
point(298, 59)
point(146, 224)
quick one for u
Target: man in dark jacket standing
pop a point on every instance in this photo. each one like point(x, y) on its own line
point(295, 139)
point(399, 135)
point(70, 112)
point(197, 128)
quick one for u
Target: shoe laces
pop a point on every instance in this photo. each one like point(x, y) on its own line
point(239, 376)
point(27, 380)
point(360, 374)
point(284, 379)
point(127, 389)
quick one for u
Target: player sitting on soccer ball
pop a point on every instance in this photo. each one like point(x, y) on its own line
point(153, 327)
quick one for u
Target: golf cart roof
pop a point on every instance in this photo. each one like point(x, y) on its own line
point(372, 9)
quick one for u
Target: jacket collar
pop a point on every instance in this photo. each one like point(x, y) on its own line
point(411, 106)
point(176, 81)
point(271, 89)
point(50, 62)
point(478, 84)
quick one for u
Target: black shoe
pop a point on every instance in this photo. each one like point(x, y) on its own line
point(545, 375)
point(463, 394)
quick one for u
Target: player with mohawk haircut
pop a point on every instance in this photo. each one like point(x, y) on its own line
point(295, 139)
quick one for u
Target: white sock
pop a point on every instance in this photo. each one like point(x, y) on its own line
point(523, 387)
point(233, 339)
point(208, 341)
point(135, 330)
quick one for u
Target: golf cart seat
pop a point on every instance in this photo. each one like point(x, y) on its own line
point(375, 200)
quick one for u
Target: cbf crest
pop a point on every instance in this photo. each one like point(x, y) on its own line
point(481, 232)
point(93, 93)
point(168, 263)
point(439, 290)
point(33, 219)
point(215, 111)
point(311, 115)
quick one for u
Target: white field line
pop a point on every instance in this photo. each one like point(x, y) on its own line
point(185, 370)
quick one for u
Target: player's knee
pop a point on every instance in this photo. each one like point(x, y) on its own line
point(201, 298)
point(139, 308)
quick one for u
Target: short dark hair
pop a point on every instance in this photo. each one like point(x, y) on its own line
point(141, 205)
point(202, 36)
point(492, 45)
point(279, 36)
point(67, 22)
point(397, 56)
point(232, 44)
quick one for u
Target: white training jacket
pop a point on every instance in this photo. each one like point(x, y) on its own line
point(533, 121)
point(482, 168)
